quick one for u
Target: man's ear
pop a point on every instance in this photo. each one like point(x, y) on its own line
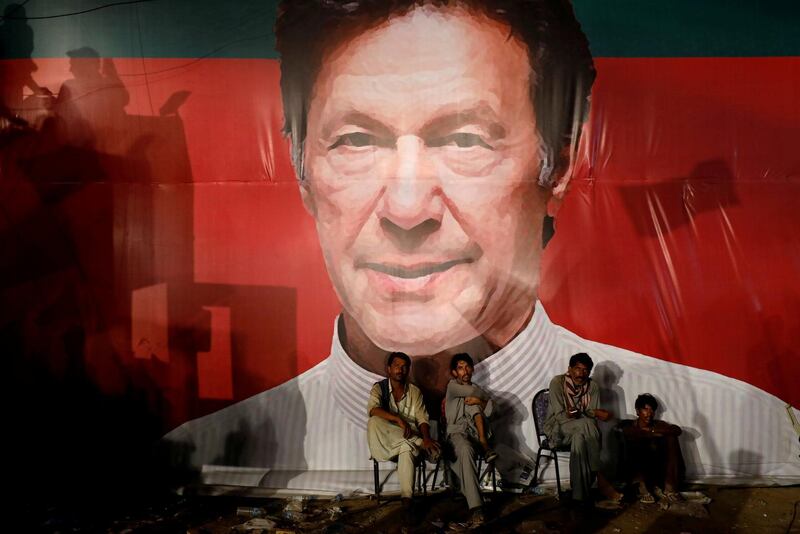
point(306, 194)
point(307, 197)
point(562, 176)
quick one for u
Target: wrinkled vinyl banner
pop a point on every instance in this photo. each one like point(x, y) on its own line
point(216, 219)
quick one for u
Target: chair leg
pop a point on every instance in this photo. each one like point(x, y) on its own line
point(536, 467)
point(435, 474)
point(558, 475)
point(489, 470)
point(415, 481)
point(377, 481)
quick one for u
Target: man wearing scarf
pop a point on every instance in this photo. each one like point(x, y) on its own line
point(572, 421)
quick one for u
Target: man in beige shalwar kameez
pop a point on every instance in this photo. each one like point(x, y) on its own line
point(398, 422)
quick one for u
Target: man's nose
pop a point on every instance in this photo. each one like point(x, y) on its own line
point(411, 206)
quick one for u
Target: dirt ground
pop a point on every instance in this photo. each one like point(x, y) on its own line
point(731, 509)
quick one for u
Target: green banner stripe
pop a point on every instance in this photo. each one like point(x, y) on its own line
point(244, 28)
point(691, 28)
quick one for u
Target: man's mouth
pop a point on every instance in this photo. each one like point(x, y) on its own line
point(414, 271)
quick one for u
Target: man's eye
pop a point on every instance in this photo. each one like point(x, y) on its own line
point(461, 140)
point(356, 139)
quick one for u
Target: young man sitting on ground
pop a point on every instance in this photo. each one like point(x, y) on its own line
point(653, 454)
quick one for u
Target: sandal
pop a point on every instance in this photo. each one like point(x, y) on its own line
point(610, 504)
point(673, 496)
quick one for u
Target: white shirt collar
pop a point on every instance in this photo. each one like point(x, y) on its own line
point(509, 371)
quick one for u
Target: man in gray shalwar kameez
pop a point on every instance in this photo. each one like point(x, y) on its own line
point(572, 420)
point(467, 409)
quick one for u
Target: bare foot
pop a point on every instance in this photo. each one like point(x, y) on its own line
point(607, 489)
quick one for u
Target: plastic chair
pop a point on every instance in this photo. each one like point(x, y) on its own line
point(539, 406)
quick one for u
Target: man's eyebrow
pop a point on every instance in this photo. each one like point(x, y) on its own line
point(481, 114)
point(359, 119)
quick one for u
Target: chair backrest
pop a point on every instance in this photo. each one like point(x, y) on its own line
point(443, 419)
point(539, 406)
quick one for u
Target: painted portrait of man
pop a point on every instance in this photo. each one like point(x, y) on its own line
point(432, 142)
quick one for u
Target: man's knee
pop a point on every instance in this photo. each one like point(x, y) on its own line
point(381, 433)
point(375, 422)
point(578, 441)
point(586, 428)
point(582, 441)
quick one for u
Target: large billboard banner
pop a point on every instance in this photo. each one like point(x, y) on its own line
point(218, 221)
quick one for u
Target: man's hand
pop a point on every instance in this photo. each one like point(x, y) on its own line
point(431, 445)
point(474, 401)
point(603, 415)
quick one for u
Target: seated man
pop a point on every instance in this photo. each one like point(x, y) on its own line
point(653, 454)
point(467, 408)
point(398, 422)
point(571, 420)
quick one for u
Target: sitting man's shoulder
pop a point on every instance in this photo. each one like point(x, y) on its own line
point(664, 426)
point(481, 389)
point(557, 381)
point(379, 383)
point(413, 389)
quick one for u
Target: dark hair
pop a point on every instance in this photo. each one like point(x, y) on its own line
point(562, 70)
point(460, 357)
point(583, 358)
point(402, 355)
point(646, 399)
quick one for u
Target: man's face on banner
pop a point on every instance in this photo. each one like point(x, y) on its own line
point(422, 159)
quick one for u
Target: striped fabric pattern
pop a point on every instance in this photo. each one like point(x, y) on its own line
point(309, 434)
